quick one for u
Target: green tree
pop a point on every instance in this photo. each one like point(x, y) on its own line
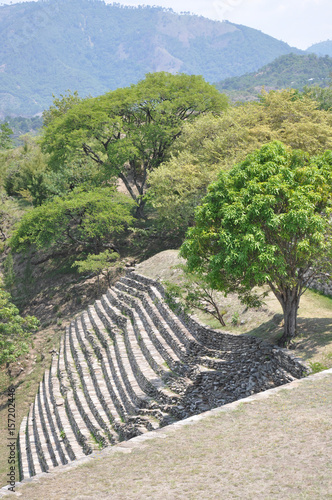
point(5, 133)
point(194, 292)
point(128, 132)
point(268, 221)
point(26, 168)
point(25, 172)
point(104, 263)
point(323, 96)
point(214, 143)
point(15, 331)
point(60, 106)
point(77, 222)
point(176, 189)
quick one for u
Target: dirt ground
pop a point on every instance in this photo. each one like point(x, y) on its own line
point(273, 448)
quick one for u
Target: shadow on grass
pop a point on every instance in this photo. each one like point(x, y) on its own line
point(270, 331)
point(313, 334)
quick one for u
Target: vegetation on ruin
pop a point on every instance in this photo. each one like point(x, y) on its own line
point(73, 200)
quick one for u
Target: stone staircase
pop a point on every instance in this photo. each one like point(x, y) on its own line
point(129, 365)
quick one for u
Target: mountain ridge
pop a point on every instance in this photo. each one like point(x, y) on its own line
point(92, 47)
point(321, 48)
point(289, 70)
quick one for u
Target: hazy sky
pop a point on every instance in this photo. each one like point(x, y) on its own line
point(297, 22)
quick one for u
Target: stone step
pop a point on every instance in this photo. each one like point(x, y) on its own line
point(175, 324)
point(23, 450)
point(79, 426)
point(69, 435)
point(101, 343)
point(81, 397)
point(132, 376)
point(230, 345)
point(123, 376)
point(90, 374)
point(35, 462)
point(50, 425)
point(160, 324)
point(152, 329)
point(43, 436)
point(134, 361)
point(123, 303)
point(128, 397)
point(99, 369)
point(128, 365)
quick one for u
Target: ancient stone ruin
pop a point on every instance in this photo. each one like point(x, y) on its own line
point(128, 365)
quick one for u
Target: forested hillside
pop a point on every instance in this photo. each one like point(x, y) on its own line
point(321, 48)
point(287, 71)
point(50, 46)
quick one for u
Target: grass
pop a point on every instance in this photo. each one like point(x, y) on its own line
point(271, 448)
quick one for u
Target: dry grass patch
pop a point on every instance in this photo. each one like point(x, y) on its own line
point(273, 448)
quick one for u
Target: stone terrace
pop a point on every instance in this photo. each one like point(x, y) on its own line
point(129, 365)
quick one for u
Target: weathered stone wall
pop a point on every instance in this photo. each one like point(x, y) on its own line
point(323, 285)
point(232, 348)
point(129, 365)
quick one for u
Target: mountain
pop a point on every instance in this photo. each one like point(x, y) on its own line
point(322, 48)
point(290, 70)
point(50, 46)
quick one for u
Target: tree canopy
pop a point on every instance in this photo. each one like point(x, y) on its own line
point(128, 132)
point(81, 220)
point(213, 143)
point(5, 136)
point(267, 221)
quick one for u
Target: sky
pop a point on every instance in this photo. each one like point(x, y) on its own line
point(300, 23)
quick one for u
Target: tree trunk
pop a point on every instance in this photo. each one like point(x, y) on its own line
point(290, 304)
point(139, 214)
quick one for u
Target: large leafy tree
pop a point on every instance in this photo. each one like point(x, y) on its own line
point(25, 169)
point(128, 132)
point(268, 221)
point(81, 221)
point(26, 173)
point(212, 143)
